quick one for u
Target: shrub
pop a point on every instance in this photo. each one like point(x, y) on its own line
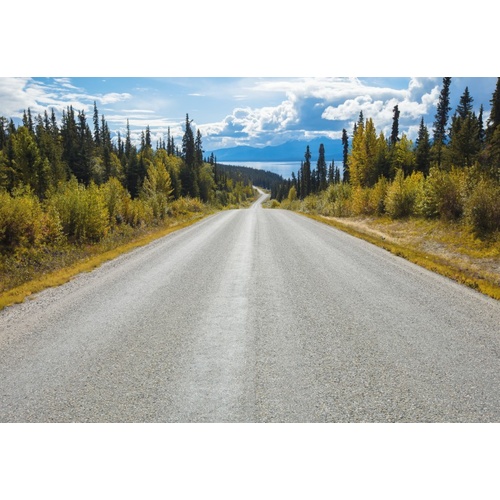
point(24, 223)
point(82, 211)
point(377, 196)
point(483, 208)
point(115, 198)
point(360, 200)
point(403, 195)
point(442, 194)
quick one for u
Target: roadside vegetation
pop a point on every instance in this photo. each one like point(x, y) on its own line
point(441, 196)
point(70, 198)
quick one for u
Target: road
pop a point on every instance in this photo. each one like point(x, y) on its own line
point(253, 316)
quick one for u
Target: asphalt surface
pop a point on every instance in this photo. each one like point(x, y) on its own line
point(253, 316)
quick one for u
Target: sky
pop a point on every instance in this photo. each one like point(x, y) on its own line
point(252, 111)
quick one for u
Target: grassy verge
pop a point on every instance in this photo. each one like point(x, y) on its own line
point(445, 248)
point(54, 267)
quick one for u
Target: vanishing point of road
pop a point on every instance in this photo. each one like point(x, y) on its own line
point(253, 316)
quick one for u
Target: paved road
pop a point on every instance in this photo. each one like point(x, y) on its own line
point(253, 316)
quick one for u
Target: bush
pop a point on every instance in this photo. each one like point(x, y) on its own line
point(442, 194)
point(24, 223)
point(82, 211)
point(377, 196)
point(360, 201)
point(115, 198)
point(483, 208)
point(404, 194)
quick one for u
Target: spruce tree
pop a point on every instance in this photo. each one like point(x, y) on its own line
point(321, 169)
point(441, 120)
point(494, 118)
point(345, 156)
point(97, 132)
point(423, 149)
point(395, 126)
point(307, 172)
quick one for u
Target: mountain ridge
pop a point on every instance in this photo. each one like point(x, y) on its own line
point(288, 151)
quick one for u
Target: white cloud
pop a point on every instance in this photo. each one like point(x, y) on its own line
point(113, 97)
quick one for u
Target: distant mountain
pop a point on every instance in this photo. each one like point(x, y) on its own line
point(289, 151)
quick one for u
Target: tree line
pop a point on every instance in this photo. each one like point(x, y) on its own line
point(454, 174)
point(69, 180)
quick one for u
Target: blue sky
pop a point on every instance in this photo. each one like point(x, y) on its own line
point(242, 111)
point(240, 76)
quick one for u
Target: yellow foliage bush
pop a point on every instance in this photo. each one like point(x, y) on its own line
point(24, 223)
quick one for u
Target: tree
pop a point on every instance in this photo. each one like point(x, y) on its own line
point(494, 118)
point(189, 173)
point(423, 149)
point(465, 143)
point(404, 156)
point(464, 107)
point(321, 169)
point(441, 120)
point(345, 155)
point(198, 148)
point(306, 175)
point(362, 161)
point(97, 132)
point(395, 126)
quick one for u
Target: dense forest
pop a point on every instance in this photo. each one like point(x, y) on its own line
point(262, 178)
point(453, 175)
point(68, 181)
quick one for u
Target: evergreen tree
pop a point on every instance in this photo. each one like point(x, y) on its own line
point(97, 132)
point(482, 134)
point(188, 174)
point(198, 147)
point(464, 145)
point(494, 118)
point(423, 149)
point(307, 173)
point(464, 107)
point(3, 132)
point(345, 156)
point(395, 126)
point(128, 142)
point(147, 139)
point(321, 169)
point(441, 121)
